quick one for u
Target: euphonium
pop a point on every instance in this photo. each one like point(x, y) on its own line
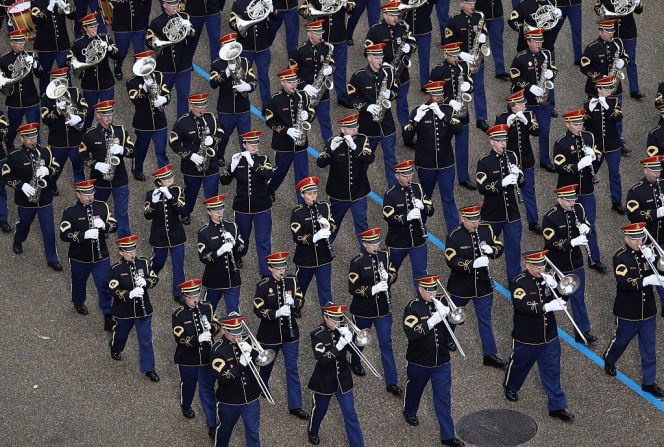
point(58, 90)
point(144, 68)
point(230, 53)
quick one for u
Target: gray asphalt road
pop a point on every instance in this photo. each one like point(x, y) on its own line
point(62, 388)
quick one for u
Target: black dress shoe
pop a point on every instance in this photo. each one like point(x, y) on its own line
point(637, 95)
point(494, 360)
point(563, 415)
point(56, 192)
point(411, 420)
point(503, 76)
point(454, 442)
point(394, 389)
point(118, 74)
point(535, 227)
point(590, 338)
point(510, 395)
point(609, 368)
point(186, 220)
point(5, 227)
point(116, 356)
point(554, 113)
point(548, 166)
point(17, 248)
point(468, 185)
point(109, 322)
point(451, 346)
point(212, 432)
point(482, 125)
point(81, 309)
point(598, 266)
point(55, 266)
point(618, 208)
point(152, 375)
point(625, 151)
point(654, 390)
point(138, 175)
point(299, 412)
point(661, 313)
point(314, 439)
point(358, 371)
point(297, 313)
point(189, 413)
point(350, 42)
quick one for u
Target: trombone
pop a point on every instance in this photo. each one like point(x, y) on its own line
point(361, 340)
point(457, 315)
point(660, 254)
point(567, 285)
point(264, 357)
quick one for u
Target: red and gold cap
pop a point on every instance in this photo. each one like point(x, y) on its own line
point(90, 19)
point(534, 34)
point(333, 311)
point(29, 130)
point(143, 54)
point(605, 82)
point(289, 75)
point(435, 87)
point(607, 25)
point(18, 36)
point(277, 260)
point(429, 283)
point(316, 26)
point(498, 132)
point(59, 73)
point(391, 8)
point(349, 121)
point(233, 323)
point(371, 236)
point(128, 243)
point(452, 48)
point(163, 173)
point(653, 163)
point(191, 287)
point(517, 98)
point(253, 137)
point(105, 107)
point(635, 230)
point(536, 257)
point(215, 203)
point(405, 167)
point(307, 184)
point(575, 116)
point(471, 212)
point(567, 192)
point(375, 50)
point(86, 187)
point(198, 100)
point(228, 38)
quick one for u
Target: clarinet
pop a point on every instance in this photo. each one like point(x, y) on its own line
point(226, 237)
point(514, 169)
point(483, 244)
point(384, 277)
point(291, 332)
point(411, 205)
point(134, 278)
point(202, 319)
point(91, 224)
point(578, 225)
point(317, 218)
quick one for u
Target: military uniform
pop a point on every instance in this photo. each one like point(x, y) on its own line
point(4, 212)
point(597, 61)
point(419, 22)
point(285, 11)
point(570, 9)
point(128, 27)
point(495, 25)
point(523, 17)
point(655, 140)
point(52, 38)
point(208, 13)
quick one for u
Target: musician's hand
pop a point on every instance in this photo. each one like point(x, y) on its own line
point(350, 142)
point(244, 347)
point(487, 249)
point(346, 333)
point(74, 120)
point(584, 162)
point(141, 282)
point(288, 299)
point(28, 190)
point(466, 57)
point(283, 311)
point(511, 119)
point(373, 109)
point(294, 133)
point(327, 70)
point(579, 240)
point(418, 204)
point(116, 149)
point(60, 105)
point(186, 23)
point(521, 116)
point(104, 168)
point(136, 292)
point(558, 12)
point(548, 74)
point(584, 229)
point(341, 344)
point(510, 179)
point(51, 5)
point(481, 38)
point(660, 212)
point(647, 253)
point(147, 82)
point(435, 319)
point(550, 280)
point(602, 100)
point(536, 90)
point(160, 101)
point(620, 63)
point(414, 214)
point(421, 111)
point(226, 247)
point(205, 337)
point(205, 323)
point(406, 48)
point(456, 105)
point(653, 280)
point(387, 94)
point(321, 234)
point(480, 262)
point(324, 223)
point(303, 115)
point(310, 90)
point(242, 87)
point(92, 233)
point(156, 195)
point(554, 306)
point(158, 43)
point(103, 44)
point(235, 160)
point(196, 159)
point(436, 109)
point(29, 59)
point(382, 286)
point(99, 224)
point(165, 191)
point(336, 142)
point(41, 172)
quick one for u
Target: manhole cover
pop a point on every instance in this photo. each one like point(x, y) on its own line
point(496, 428)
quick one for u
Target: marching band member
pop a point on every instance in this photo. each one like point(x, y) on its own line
point(535, 334)
point(103, 150)
point(149, 95)
point(370, 276)
point(237, 387)
point(232, 114)
point(220, 248)
point(495, 25)
point(311, 226)
point(570, 9)
point(373, 16)
point(286, 108)
point(276, 295)
point(419, 22)
point(432, 125)
point(81, 10)
point(467, 252)
point(194, 138)
point(285, 12)
point(348, 155)
point(332, 376)
point(659, 97)
point(30, 170)
point(428, 358)
point(85, 226)
point(22, 97)
point(97, 80)
point(130, 279)
point(128, 27)
point(368, 89)
point(529, 68)
point(65, 129)
point(462, 28)
point(634, 307)
point(252, 204)
point(576, 159)
point(602, 116)
point(398, 40)
point(645, 203)
point(458, 81)
point(498, 179)
point(406, 209)
point(311, 58)
point(208, 13)
point(526, 17)
point(4, 212)
point(522, 124)
point(655, 140)
point(565, 231)
point(194, 325)
point(174, 60)
point(164, 208)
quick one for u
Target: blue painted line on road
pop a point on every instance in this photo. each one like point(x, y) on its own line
point(499, 287)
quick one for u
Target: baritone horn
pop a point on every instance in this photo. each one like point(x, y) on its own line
point(265, 357)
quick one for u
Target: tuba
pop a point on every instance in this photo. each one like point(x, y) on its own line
point(20, 69)
point(144, 68)
point(230, 53)
point(257, 11)
point(545, 17)
point(58, 90)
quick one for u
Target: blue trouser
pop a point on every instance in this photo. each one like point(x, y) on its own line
point(445, 179)
point(283, 160)
point(529, 197)
point(25, 218)
point(402, 104)
point(547, 356)
point(323, 117)
point(512, 245)
point(373, 15)
point(590, 207)
point(441, 386)
point(4, 212)
point(483, 305)
point(543, 116)
point(479, 95)
point(418, 260)
point(213, 24)
point(123, 39)
point(340, 56)
point(626, 330)
point(293, 385)
point(15, 116)
point(263, 60)
point(193, 186)
point(358, 208)
point(120, 206)
point(424, 56)
point(461, 154)
point(101, 274)
point(291, 19)
point(46, 60)
point(321, 402)
point(142, 144)
point(496, 28)
point(384, 335)
point(388, 144)
point(228, 123)
point(182, 82)
point(143, 335)
point(442, 12)
point(619, 124)
point(660, 292)
point(632, 68)
point(228, 417)
point(577, 300)
point(177, 264)
point(231, 298)
point(203, 376)
point(615, 185)
point(93, 97)
point(82, 11)
point(574, 14)
point(323, 275)
point(61, 154)
point(263, 226)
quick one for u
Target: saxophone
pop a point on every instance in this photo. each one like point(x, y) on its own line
point(615, 72)
point(322, 82)
point(207, 152)
point(544, 83)
point(462, 97)
point(302, 125)
point(382, 102)
point(111, 160)
point(478, 50)
point(37, 183)
point(398, 62)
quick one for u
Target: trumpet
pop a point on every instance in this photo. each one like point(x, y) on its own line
point(361, 340)
point(265, 357)
point(567, 285)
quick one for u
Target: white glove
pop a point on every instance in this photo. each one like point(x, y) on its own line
point(417, 203)
point(156, 196)
point(141, 282)
point(456, 105)
point(620, 63)
point(554, 306)
point(324, 223)
point(548, 74)
point(349, 141)
point(436, 109)
point(247, 156)
point(116, 149)
point(186, 23)
point(387, 94)
point(647, 253)
point(136, 292)
point(75, 65)
point(74, 120)
point(558, 12)
point(467, 57)
point(511, 119)
point(341, 344)
point(653, 280)
point(283, 311)
point(589, 152)
point(514, 169)
point(380, 287)
point(208, 141)
point(373, 109)
point(435, 318)
point(244, 347)
point(480, 262)
point(510, 180)
point(270, 6)
point(406, 48)
point(147, 82)
point(550, 280)
point(346, 333)
point(584, 162)
point(226, 247)
point(487, 249)
point(164, 190)
point(602, 100)
point(29, 59)
point(421, 111)
point(28, 190)
point(288, 299)
point(584, 229)
point(304, 115)
point(205, 337)
point(51, 5)
point(235, 160)
point(103, 43)
point(242, 87)
point(414, 214)
point(593, 104)
point(660, 212)
point(294, 133)
point(42, 172)
point(579, 240)
point(197, 159)
point(310, 90)
point(336, 142)
point(522, 117)
point(92, 233)
point(321, 234)
point(158, 43)
point(464, 86)
point(244, 359)
point(99, 224)
point(160, 101)
point(481, 38)
point(327, 70)
point(60, 105)
point(536, 90)
point(104, 168)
